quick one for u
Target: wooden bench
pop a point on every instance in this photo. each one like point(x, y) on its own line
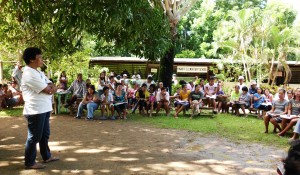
point(206, 107)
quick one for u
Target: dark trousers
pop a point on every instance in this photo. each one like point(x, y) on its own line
point(71, 100)
point(38, 132)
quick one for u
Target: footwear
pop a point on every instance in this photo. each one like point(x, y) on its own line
point(77, 117)
point(51, 159)
point(36, 166)
point(113, 118)
point(103, 118)
point(89, 119)
point(291, 141)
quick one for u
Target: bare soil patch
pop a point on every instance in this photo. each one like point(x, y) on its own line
point(125, 147)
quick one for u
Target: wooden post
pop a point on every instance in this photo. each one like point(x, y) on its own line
point(1, 71)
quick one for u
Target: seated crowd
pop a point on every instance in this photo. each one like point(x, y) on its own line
point(118, 93)
point(10, 96)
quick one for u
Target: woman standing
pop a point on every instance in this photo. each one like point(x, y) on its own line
point(37, 92)
point(63, 81)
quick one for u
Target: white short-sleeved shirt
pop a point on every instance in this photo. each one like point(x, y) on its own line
point(32, 84)
point(159, 96)
point(241, 86)
point(109, 98)
point(211, 89)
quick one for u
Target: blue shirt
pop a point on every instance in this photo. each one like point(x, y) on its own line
point(257, 103)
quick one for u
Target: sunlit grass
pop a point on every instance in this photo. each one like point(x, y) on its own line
point(15, 112)
point(249, 129)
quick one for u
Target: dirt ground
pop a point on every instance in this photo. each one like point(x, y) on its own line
point(125, 147)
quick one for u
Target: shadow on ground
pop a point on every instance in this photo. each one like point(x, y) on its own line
point(124, 147)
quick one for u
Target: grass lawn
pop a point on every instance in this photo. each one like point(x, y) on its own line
point(235, 128)
point(15, 112)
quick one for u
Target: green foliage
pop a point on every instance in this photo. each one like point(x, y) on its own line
point(197, 27)
point(174, 88)
point(255, 38)
point(186, 54)
point(272, 89)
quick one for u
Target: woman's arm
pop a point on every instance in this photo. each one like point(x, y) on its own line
point(96, 98)
point(50, 89)
point(289, 109)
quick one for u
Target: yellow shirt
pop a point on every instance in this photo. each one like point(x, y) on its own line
point(184, 96)
point(147, 94)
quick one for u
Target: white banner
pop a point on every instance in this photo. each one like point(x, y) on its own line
point(153, 70)
point(192, 69)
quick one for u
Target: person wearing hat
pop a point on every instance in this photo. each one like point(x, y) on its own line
point(252, 91)
point(241, 83)
point(126, 80)
point(253, 87)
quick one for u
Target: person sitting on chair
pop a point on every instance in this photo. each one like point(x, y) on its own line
point(163, 100)
point(260, 102)
point(244, 102)
point(142, 96)
point(120, 101)
point(78, 87)
point(183, 103)
point(294, 110)
point(195, 99)
point(210, 93)
point(234, 96)
point(90, 102)
point(107, 103)
point(279, 107)
point(221, 98)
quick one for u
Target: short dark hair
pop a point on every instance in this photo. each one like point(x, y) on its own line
point(163, 88)
point(118, 84)
point(105, 88)
point(283, 90)
point(92, 87)
point(152, 86)
point(245, 88)
point(30, 53)
point(144, 85)
point(292, 161)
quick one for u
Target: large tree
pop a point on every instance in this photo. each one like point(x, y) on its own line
point(174, 10)
point(142, 28)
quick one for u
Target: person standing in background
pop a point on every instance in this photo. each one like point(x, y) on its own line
point(37, 92)
point(17, 75)
point(63, 81)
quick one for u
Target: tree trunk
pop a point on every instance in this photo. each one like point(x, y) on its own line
point(271, 69)
point(166, 68)
point(275, 75)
